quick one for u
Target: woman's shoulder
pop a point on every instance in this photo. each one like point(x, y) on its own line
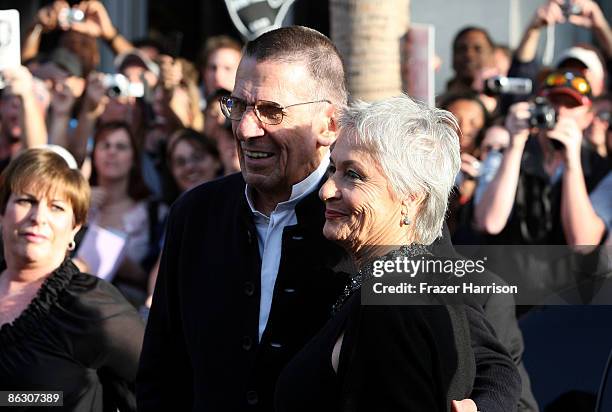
point(92, 298)
point(68, 298)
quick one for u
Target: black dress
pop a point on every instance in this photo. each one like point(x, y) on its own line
point(393, 358)
point(78, 335)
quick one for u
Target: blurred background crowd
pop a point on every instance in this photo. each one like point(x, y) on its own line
point(536, 139)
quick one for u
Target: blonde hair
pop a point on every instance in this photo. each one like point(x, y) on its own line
point(44, 172)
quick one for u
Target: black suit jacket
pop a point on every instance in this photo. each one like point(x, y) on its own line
point(201, 350)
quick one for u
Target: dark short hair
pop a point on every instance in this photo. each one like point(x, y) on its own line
point(195, 139)
point(468, 29)
point(45, 172)
point(298, 44)
point(448, 100)
point(137, 189)
point(216, 43)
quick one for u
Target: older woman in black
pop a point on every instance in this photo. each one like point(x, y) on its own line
point(60, 329)
point(392, 169)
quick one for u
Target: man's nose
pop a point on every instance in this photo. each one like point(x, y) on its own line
point(249, 126)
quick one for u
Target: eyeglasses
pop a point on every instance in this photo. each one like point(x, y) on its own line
point(270, 113)
point(569, 79)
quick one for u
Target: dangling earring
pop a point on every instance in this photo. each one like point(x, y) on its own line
point(71, 245)
point(406, 220)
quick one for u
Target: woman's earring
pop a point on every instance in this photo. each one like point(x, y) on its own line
point(71, 245)
point(406, 220)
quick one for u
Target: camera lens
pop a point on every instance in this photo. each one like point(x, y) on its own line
point(114, 91)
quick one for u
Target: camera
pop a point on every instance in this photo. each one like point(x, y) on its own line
point(543, 114)
point(69, 16)
point(568, 8)
point(507, 85)
point(118, 85)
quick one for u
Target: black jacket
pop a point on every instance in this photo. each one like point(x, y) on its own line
point(201, 351)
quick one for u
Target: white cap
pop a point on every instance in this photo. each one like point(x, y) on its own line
point(587, 57)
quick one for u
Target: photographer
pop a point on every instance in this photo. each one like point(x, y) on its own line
point(581, 13)
point(586, 219)
point(522, 203)
point(87, 18)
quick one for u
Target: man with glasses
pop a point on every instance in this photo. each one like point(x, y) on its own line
point(229, 309)
point(245, 279)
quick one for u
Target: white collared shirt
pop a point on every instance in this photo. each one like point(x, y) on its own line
point(270, 236)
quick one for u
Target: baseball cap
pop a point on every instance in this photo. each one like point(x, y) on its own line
point(587, 57)
point(67, 61)
point(138, 57)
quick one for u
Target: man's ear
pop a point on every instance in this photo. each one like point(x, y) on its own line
point(328, 127)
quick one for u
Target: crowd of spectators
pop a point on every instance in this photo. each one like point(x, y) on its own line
point(142, 134)
point(153, 129)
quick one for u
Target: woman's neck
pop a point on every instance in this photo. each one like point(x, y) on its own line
point(19, 274)
point(116, 190)
point(382, 245)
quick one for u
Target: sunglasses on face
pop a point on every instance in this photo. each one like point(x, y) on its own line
point(568, 79)
point(270, 113)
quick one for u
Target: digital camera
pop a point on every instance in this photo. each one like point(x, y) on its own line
point(543, 114)
point(69, 16)
point(118, 85)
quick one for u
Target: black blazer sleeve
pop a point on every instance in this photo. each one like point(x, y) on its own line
point(164, 381)
point(500, 311)
point(497, 386)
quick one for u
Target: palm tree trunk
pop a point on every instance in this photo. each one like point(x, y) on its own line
point(369, 35)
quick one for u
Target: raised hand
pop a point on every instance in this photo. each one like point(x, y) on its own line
point(97, 22)
point(47, 16)
point(63, 100)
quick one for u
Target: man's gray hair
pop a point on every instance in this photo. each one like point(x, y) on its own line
point(298, 44)
point(417, 148)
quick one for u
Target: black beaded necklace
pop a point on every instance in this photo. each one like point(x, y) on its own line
point(365, 273)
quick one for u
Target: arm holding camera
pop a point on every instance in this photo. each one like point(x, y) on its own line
point(591, 17)
point(46, 21)
point(546, 15)
point(176, 94)
point(581, 225)
point(94, 103)
point(19, 83)
point(493, 210)
point(61, 108)
point(97, 23)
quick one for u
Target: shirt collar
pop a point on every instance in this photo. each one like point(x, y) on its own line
point(298, 191)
